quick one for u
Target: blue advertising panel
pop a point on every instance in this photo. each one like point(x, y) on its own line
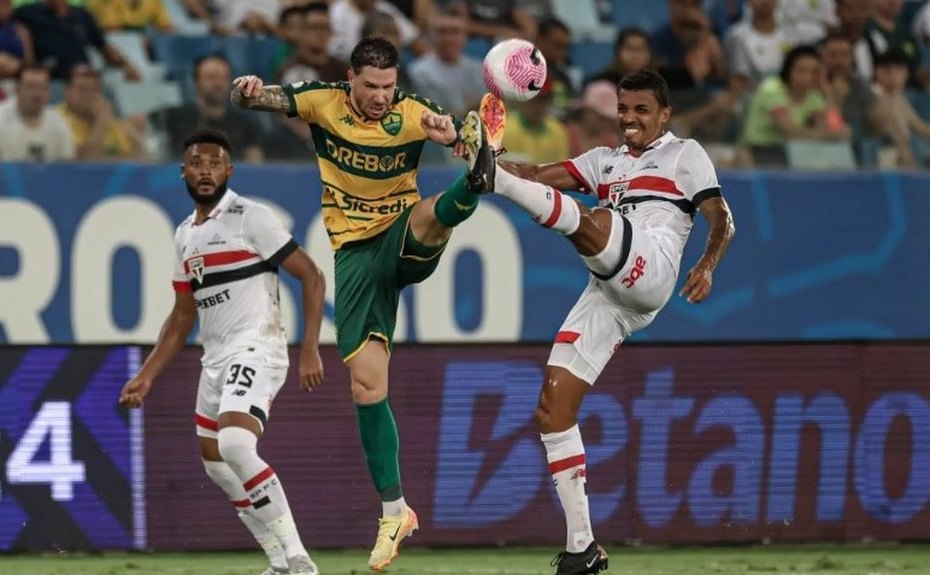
point(71, 469)
point(86, 254)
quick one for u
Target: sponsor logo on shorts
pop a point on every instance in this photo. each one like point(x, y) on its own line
point(638, 271)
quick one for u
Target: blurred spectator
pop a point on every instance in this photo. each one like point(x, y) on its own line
point(791, 106)
point(205, 11)
point(594, 122)
point(348, 18)
point(383, 24)
point(225, 17)
point(211, 109)
point(32, 131)
point(852, 94)
point(885, 32)
point(15, 42)
point(853, 16)
point(446, 74)
point(311, 59)
point(756, 46)
point(291, 26)
point(131, 14)
point(420, 12)
point(97, 133)
point(289, 140)
point(534, 135)
point(62, 34)
point(631, 54)
point(499, 19)
point(686, 51)
point(891, 71)
point(554, 40)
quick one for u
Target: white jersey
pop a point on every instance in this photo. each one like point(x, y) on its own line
point(230, 263)
point(658, 191)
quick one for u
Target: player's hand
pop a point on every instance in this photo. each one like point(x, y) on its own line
point(697, 286)
point(249, 85)
point(311, 368)
point(439, 128)
point(135, 391)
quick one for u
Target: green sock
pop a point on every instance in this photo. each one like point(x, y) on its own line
point(379, 438)
point(456, 204)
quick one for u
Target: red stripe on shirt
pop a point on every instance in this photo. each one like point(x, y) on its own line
point(206, 423)
point(573, 170)
point(182, 286)
point(242, 503)
point(567, 463)
point(556, 209)
point(654, 184)
point(251, 483)
point(223, 258)
point(567, 337)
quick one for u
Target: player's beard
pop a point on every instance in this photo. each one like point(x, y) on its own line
point(218, 192)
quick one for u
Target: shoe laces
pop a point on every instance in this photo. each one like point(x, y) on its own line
point(384, 531)
point(557, 559)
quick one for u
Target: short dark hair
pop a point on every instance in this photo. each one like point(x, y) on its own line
point(208, 136)
point(550, 23)
point(211, 56)
point(293, 10)
point(893, 56)
point(316, 7)
point(647, 80)
point(834, 35)
point(376, 52)
point(627, 33)
point(81, 70)
point(793, 56)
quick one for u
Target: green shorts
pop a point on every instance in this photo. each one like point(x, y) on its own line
point(369, 277)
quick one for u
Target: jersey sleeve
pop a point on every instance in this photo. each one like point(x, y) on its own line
point(266, 234)
point(695, 175)
point(586, 168)
point(303, 97)
point(179, 281)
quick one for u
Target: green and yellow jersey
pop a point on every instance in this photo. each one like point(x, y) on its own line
point(368, 167)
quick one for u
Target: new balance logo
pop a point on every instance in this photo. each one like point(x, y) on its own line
point(650, 165)
point(638, 271)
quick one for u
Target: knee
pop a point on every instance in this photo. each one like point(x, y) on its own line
point(368, 388)
point(550, 417)
point(236, 444)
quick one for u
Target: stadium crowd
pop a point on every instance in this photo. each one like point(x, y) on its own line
point(838, 84)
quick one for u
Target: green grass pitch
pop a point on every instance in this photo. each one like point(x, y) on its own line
point(761, 560)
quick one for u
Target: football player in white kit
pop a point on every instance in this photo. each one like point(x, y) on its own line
point(648, 190)
point(229, 251)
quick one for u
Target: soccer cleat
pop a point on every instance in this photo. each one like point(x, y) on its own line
point(273, 571)
point(481, 162)
point(588, 562)
point(493, 113)
point(391, 531)
point(301, 565)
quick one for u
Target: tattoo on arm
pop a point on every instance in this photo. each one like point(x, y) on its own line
point(721, 231)
point(270, 99)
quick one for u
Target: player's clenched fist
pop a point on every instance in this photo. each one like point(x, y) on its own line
point(134, 392)
point(248, 85)
point(438, 127)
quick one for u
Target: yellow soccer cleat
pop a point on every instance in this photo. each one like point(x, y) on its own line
point(493, 114)
point(391, 531)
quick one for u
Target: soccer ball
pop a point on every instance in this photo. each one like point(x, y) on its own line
point(514, 70)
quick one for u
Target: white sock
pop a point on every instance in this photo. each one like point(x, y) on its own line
point(264, 489)
point(229, 482)
point(565, 453)
point(395, 507)
point(549, 207)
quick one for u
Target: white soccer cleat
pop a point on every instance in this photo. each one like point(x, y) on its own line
point(301, 565)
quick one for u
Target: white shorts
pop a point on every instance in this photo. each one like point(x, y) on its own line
point(615, 304)
point(246, 383)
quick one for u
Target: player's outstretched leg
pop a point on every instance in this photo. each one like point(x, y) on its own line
point(224, 477)
point(548, 207)
point(238, 448)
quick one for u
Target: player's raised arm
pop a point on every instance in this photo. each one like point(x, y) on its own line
point(312, 290)
point(174, 333)
point(250, 93)
point(721, 231)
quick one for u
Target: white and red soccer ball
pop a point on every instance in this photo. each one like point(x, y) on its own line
point(514, 70)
